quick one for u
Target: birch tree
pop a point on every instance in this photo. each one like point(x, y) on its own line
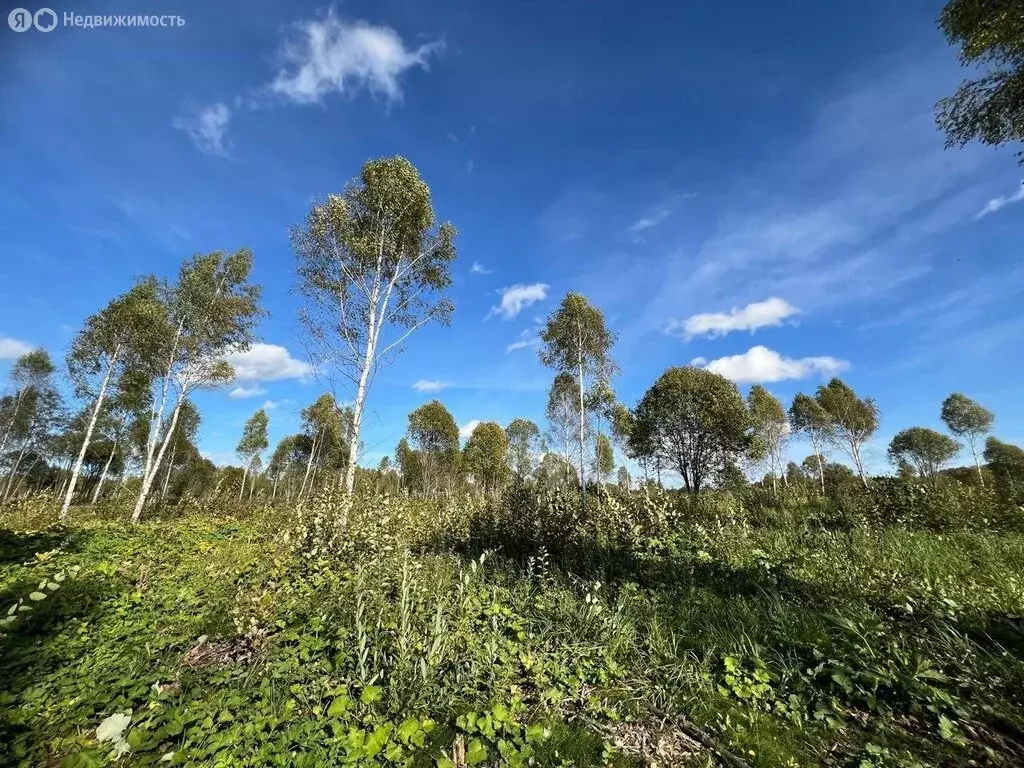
point(373, 266)
point(808, 418)
point(770, 430)
point(325, 427)
point(121, 333)
point(563, 414)
point(210, 312)
point(435, 436)
point(523, 437)
point(576, 341)
point(252, 445)
point(969, 420)
point(853, 420)
point(32, 415)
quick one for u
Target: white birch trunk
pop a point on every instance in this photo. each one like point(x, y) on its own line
point(103, 474)
point(76, 470)
point(147, 480)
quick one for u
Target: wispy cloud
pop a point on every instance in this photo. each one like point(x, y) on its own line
point(848, 213)
point(517, 298)
point(479, 269)
point(430, 385)
point(760, 365)
point(649, 221)
point(269, 405)
point(522, 344)
point(998, 203)
point(207, 127)
point(334, 55)
point(12, 349)
point(267, 362)
point(240, 393)
point(467, 429)
point(760, 314)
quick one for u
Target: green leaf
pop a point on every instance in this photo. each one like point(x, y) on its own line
point(370, 694)
point(476, 752)
point(37, 596)
point(339, 707)
point(445, 762)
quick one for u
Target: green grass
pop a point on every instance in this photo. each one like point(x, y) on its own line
point(393, 637)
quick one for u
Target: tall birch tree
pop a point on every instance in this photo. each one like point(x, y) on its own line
point(210, 311)
point(252, 445)
point(853, 420)
point(373, 266)
point(808, 418)
point(120, 334)
point(576, 341)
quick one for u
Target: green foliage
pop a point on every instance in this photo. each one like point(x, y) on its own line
point(851, 420)
point(1006, 463)
point(393, 631)
point(371, 261)
point(693, 421)
point(926, 449)
point(990, 108)
point(485, 456)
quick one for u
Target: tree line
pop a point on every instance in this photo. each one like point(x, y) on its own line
point(373, 267)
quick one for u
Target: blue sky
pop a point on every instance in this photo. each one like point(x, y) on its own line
point(763, 190)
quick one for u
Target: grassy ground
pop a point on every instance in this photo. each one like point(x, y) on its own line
point(394, 637)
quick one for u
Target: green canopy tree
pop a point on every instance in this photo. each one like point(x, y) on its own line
point(120, 334)
point(990, 108)
point(622, 479)
point(435, 436)
point(281, 463)
point(32, 416)
point(695, 422)
point(410, 465)
point(1006, 462)
point(252, 445)
point(576, 341)
point(809, 419)
point(485, 456)
point(770, 431)
point(554, 471)
point(925, 449)
point(371, 260)
point(524, 445)
point(327, 427)
point(209, 312)
point(31, 373)
point(853, 420)
point(969, 421)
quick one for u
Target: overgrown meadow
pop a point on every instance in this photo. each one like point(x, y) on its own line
point(879, 627)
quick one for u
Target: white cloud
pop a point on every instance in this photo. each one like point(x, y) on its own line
point(479, 269)
point(239, 393)
point(522, 344)
point(517, 298)
point(207, 128)
point(12, 349)
point(646, 222)
point(267, 362)
point(751, 317)
point(762, 365)
point(338, 56)
point(997, 203)
point(430, 385)
point(269, 405)
point(699, 361)
point(467, 429)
